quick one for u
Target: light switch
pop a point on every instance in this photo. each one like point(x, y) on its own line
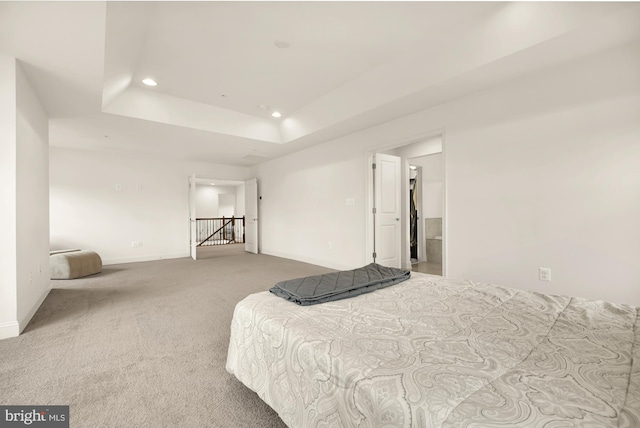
point(544, 274)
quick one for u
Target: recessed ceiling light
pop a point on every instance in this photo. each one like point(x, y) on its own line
point(213, 184)
point(413, 167)
point(149, 82)
point(263, 107)
point(276, 114)
point(281, 44)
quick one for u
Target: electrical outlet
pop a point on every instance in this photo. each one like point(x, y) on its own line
point(118, 187)
point(330, 246)
point(135, 244)
point(544, 274)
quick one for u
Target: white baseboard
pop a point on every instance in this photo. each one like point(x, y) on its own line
point(120, 260)
point(25, 320)
point(9, 329)
point(317, 262)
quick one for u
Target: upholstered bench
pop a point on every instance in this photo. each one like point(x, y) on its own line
point(71, 264)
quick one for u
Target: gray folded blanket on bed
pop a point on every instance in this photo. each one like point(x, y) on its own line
point(312, 290)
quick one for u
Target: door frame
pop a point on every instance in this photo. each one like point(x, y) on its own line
point(193, 250)
point(252, 224)
point(420, 210)
point(368, 212)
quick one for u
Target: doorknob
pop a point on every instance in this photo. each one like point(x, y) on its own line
point(397, 219)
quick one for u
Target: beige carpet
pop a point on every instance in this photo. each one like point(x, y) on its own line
point(143, 345)
point(215, 251)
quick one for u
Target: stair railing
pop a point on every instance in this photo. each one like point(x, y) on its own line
point(219, 230)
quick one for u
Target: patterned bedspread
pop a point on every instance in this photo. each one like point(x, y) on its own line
point(432, 352)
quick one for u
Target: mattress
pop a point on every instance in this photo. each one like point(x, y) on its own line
point(432, 352)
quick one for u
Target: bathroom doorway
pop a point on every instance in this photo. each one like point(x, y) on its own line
point(415, 213)
point(426, 212)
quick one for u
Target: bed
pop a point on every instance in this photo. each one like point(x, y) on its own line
point(434, 352)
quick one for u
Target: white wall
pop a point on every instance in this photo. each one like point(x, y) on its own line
point(208, 200)
point(539, 171)
point(429, 146)
point(24, 247)
point(431, 184)
point(240, 211)
point(8, 165)
point(303, 205)
point(32, 201)
point(88, 212)
point(227, 204)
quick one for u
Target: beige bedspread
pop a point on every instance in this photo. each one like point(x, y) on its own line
point(432, 352)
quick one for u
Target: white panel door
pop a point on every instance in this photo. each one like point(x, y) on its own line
point(251, 215)
point(192, 217)
point(388, 235)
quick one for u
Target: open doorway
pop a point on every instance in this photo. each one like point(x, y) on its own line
point(426, 213)
point(420, 215)
point(415, 213)
point(217, 218)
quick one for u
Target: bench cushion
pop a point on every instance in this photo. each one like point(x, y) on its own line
point(71, 264)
